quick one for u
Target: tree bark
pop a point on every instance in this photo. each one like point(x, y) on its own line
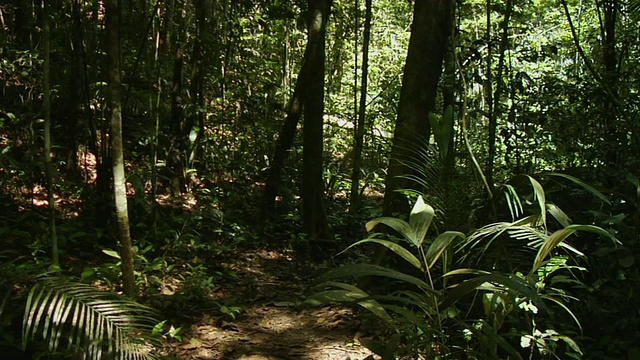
point(284, 142)
point(314, 215)
point(46, 96)
point(354, 199)
point(429, 32)
point(117, 156)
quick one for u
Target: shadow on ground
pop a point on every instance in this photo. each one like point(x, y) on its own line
point(269, 287)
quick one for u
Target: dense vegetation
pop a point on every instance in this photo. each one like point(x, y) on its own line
point(483, 156)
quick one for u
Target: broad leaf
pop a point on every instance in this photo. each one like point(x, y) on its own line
point(559, 215)
point(400, 226)
point(362, 270)
point(439, 245)
point(420, 220)
point(395, 247)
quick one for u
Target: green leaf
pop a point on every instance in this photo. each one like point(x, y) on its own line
point(439, 245)
point(584, 185)
point(507, 283)
point(395, 247)
point(362, 270)
point(560, 235)
point(96, 321)
point(572, 344)
point(420, 220)
point(350, 294)
point(513, 201)
point(400, 226)
point(562, 305)
point(559, 215)
point(112, 253)
point(538, 194)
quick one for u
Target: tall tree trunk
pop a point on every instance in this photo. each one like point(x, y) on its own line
point(494, 98)
point(429, 32)
point(610, 10)
point(490, 111)
point(448, 105)
point(46, 96)
point(354, 203)
point(195, 124)
point(285, 141)
point(314, 215)
point(175, 153)
point(117, 156)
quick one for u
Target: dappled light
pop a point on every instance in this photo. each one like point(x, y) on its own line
point(319, 179)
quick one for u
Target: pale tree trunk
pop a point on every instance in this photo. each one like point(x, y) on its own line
point(354, 203)
point(46, 95)
point(117, 157)
point(315, 219)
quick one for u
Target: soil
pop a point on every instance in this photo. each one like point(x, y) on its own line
point(272, 325)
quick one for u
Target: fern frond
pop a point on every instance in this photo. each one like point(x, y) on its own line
point(103, 324)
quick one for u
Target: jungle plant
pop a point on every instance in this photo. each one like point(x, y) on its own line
point(433, 308)
point(75, 317)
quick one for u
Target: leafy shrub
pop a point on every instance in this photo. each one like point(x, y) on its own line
point(444, 309)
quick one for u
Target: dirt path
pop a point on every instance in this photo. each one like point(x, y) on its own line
point(271, 325)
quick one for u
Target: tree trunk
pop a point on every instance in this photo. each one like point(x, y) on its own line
point(285, 142)
point(494, 98)
point(429, 32)
point(447, 171)
point(354, 199)
point(314, 214)
point(117, 157)
point(46, 96)
point(490, 110)
point(610, 80)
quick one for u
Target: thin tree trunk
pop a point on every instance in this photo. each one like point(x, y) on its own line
point(490, 111)
point(156, 133)
point(354, 203)
point(494, 99)
point(175, 153)
point(610, 79)
point(117, 157)
point(46, 95)
point(315, 219)
point(284, 143)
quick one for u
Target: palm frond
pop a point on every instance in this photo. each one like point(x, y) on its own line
point(102, 324)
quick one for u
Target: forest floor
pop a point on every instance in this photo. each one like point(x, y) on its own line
point(270, 325)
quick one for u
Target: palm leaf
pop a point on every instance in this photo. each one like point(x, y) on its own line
point(513, 201)
point(420, 219)
point(103, 324)
point(364, 270)
point(393, 246)
point(349, 294)
point(584, 185)
point(560, 235)
point(538, 194)
point(439, 245)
